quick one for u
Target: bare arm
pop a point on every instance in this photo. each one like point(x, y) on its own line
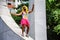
point(31, 9)
point(18, 14)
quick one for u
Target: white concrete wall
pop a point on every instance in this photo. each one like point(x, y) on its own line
point(40, 20)
point(6, 33)
point(32, 20)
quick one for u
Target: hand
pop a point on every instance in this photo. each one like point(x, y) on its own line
point(32, 9)
point(33, 5)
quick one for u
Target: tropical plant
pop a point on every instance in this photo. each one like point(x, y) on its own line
point(53, 18)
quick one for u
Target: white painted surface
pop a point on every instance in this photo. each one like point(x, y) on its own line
point(40, 20)
point(32, 20)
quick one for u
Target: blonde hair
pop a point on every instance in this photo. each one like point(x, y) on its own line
point(25, 8)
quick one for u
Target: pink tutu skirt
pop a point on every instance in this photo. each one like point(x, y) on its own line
point(25, 22)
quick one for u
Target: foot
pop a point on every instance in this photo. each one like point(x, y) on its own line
point(23, 35)
point(27, 35)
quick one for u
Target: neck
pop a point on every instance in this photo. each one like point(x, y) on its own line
point(25, 11)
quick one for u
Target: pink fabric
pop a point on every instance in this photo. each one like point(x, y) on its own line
point(25, 22)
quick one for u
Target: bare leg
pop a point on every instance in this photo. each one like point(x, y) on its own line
point(23, 28)
point(27, 31)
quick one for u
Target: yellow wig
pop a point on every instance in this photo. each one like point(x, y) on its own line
point(25, 8)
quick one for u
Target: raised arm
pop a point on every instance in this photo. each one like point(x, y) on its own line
point(31, 9)
point(18, 14)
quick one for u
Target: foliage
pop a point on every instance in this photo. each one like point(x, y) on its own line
point(25, 0)
point(17, 19)
point(57, 29)
point(20, 6)
point(53, 18)
point(53, 13)
point(21, 0)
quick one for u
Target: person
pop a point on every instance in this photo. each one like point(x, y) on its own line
point(11, 8)
point(24, 21)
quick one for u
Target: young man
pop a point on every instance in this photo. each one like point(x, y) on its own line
point(11, 6)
